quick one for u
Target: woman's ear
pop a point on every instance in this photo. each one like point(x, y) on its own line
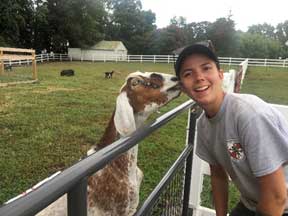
point(221, 74)
point(181, 86)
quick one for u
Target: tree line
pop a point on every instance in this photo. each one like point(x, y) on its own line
point(55, 25)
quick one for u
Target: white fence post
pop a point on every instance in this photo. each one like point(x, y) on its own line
point(128, 58)
point(168, 59)
point(60, 57)
point(141, 58)
point(154, 58)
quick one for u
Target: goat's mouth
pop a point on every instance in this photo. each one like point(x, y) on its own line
point(176, 87)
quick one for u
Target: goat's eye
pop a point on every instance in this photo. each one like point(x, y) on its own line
point(135, 82)
point(155, 86)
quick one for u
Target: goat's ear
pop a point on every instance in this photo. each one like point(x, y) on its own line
point(124, 116)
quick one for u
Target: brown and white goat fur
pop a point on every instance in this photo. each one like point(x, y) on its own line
point(114, 190)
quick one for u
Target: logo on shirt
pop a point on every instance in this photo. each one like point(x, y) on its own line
point(235, 150)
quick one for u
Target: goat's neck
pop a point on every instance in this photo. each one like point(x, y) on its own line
point(111, 135)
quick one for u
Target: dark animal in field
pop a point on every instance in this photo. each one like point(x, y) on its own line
point(108, 75)
point(8, 67)
point(67, 72)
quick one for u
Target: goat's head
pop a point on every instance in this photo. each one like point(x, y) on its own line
point(142, 94)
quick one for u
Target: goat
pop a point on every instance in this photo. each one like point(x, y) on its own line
point(8, 67)
point(114, 190)
point(109, 74)
point(67, 72)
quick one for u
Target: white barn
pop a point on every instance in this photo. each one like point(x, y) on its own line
point(102, 51)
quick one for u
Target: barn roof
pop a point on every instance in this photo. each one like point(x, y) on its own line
point(109, 45)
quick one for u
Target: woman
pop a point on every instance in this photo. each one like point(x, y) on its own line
point(238, 135)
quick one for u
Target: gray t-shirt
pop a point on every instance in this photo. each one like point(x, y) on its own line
point(248, 138)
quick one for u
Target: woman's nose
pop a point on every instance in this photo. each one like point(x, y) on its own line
point(198, 76)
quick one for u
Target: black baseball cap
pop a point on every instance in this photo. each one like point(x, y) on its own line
point(204, 48)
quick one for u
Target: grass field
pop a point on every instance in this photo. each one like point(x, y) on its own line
point(48, 126)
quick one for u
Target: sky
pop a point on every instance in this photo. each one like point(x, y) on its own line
point(244, 13)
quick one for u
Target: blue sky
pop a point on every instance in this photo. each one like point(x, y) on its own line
point(245, 13)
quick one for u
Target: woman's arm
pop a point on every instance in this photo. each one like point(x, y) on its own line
point(273, 194)
point(219, 182)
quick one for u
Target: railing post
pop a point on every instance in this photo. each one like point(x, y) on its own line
point(168, 59)
point(2, 69)
point(77, 199)
point(188, 170)
point(154, 58)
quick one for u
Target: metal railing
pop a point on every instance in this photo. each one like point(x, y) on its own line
point(73, 180)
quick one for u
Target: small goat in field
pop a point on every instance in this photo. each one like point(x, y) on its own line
point(114, 190)
point(109, 74)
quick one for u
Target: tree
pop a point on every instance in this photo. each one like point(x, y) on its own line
point(197, 31)
point(76, 23)
point(16, 22)
point(263, 29)
point(41, 26)
point(282, 36)
point(130, 24)
point(178, 21)
point(223, 35)
point(259, 46)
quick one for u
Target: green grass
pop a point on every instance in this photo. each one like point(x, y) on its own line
point(268, 83)
point(18, 73)
point(47, 126)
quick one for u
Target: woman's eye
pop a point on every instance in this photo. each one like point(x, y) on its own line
point(208, 67)
point(187, 74)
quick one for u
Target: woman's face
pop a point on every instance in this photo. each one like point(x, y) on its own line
point(202, 80)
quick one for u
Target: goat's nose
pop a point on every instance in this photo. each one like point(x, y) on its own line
point(174, 79)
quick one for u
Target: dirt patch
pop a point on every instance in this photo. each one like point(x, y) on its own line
point(52, 89)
